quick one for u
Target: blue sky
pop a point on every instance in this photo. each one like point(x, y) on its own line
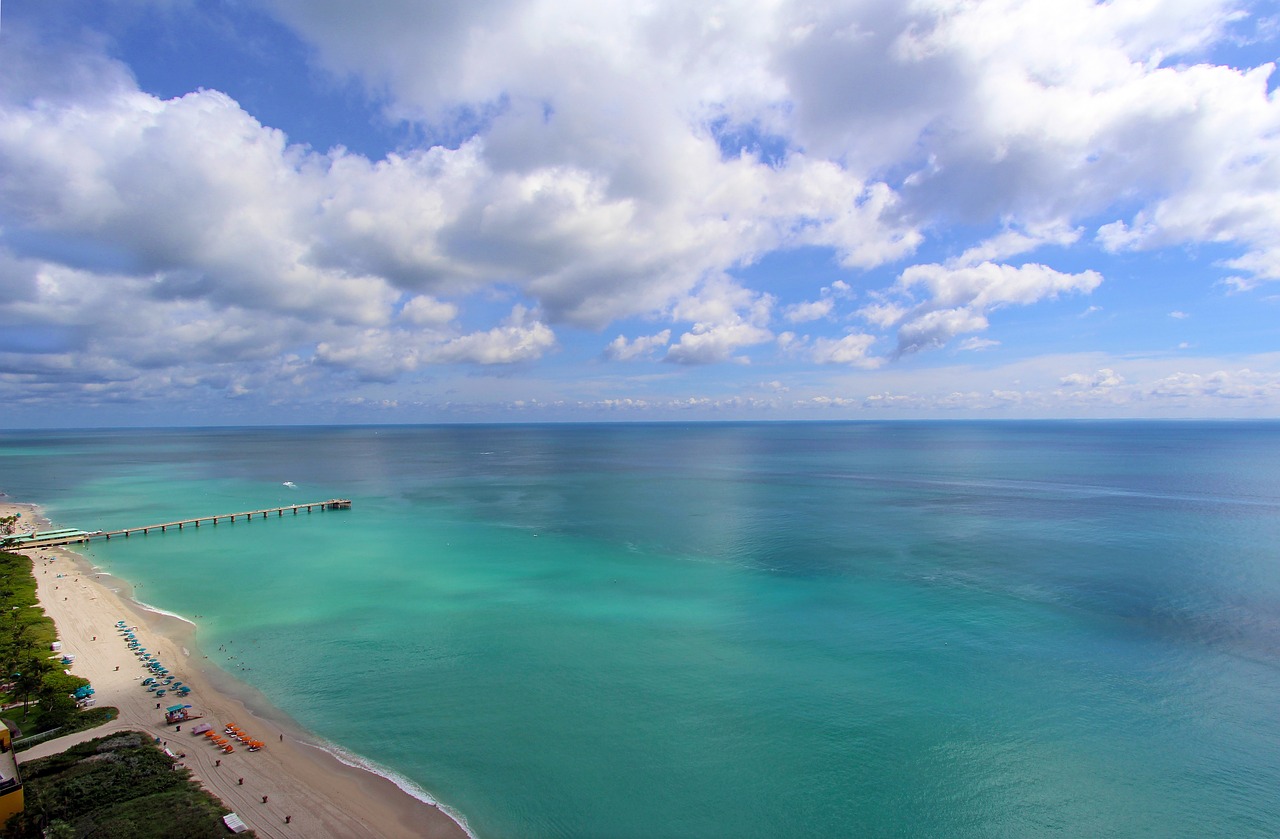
point(551, 210)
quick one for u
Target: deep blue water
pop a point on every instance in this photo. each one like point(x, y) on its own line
point(755, 630)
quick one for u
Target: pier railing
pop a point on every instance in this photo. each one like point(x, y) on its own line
point(70, 537)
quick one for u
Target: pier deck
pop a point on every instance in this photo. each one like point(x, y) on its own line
point(67, 536)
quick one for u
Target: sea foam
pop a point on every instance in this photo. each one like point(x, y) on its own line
point(406, 786)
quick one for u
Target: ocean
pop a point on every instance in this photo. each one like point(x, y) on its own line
point(951, 629)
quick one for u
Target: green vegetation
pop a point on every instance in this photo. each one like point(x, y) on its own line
point(8, 524)
point(112, 788)
point(31, 680)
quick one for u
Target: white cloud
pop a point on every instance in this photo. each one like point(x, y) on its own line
point(957, 300)
point(726, 318)
point(1104, 378)
point(988, 285)
point(934, 328)
point(851, 349)
point(620, 349)
point(710, 343)
point(1012, 242)
point(976, 344)
point(521, 338)
point(809, 311)
point(424, 310)
point(384, 355)
point(592, 171)
point(1242, 385)
point(883, 314)
point(1179, 315)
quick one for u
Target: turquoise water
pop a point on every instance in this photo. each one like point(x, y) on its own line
point(871, 629)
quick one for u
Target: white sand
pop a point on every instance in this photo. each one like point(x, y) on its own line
point(323, 797)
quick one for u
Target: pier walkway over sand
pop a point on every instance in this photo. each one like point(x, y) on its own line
point(51, 538)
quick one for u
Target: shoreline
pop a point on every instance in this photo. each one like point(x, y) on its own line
point(324, 790)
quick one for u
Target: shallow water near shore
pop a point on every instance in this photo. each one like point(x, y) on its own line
point(962, 629)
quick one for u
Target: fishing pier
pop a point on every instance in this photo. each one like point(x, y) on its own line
point(53, 538)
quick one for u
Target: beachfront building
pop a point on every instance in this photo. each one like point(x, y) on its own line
point(11, 801)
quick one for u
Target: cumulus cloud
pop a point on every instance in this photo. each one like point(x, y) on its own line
point(620, 349)
point(383, 354)
point(707, 343)
point(597, 162)
point(988, 285)
point(424, 310)
point(726, 318)
point(958, 299)
point(517, 340)
point(852, 349)
point(814, 310)
point(1106, 377)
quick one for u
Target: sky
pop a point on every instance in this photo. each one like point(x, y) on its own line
point(231, 212)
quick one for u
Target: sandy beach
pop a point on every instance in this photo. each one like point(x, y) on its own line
point(291, 778)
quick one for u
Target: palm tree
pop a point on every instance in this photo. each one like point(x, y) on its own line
point(28, 681)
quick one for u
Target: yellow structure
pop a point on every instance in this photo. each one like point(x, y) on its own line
point(10, 781)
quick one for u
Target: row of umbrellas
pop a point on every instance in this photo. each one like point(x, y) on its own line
point(161, 681)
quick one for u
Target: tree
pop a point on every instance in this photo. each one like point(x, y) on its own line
point(58, 707)
point(28, 681)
